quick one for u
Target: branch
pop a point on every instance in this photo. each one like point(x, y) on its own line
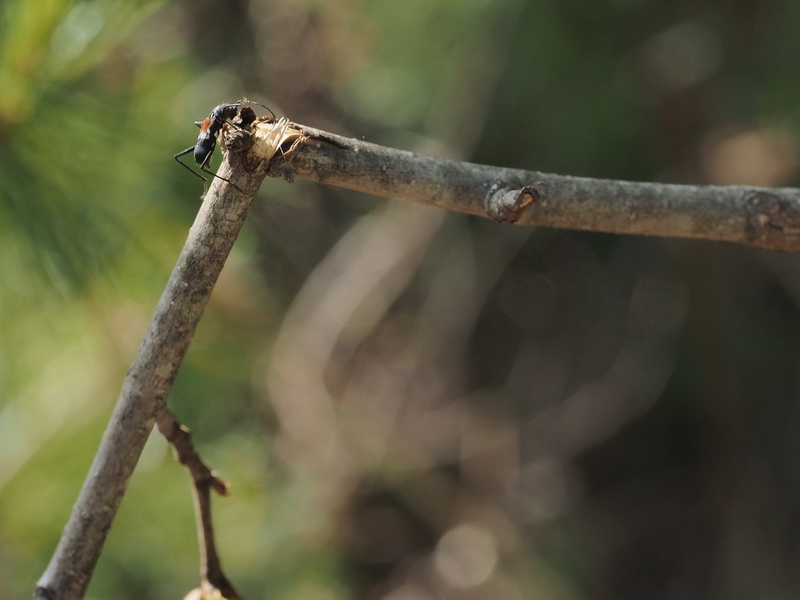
point(757, 217)
point(213, 581)
point(753, 216)
point(150, 378)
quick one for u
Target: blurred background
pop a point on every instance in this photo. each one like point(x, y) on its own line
point(408, 404)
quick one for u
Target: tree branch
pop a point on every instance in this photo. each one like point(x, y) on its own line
point(150, 378)
point(764, 218)
point(213, 581)
point(757, 217)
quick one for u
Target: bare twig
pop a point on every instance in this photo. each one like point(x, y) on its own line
point(150, 378)
point(213, 582)
point(758, 217)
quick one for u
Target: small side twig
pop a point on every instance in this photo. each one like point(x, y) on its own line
point(213, 581)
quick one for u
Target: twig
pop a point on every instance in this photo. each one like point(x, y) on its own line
point(150, 378)
point(213, 582)
point(758, 217)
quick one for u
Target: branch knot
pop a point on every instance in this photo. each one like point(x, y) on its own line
point(506, 206)
point(770, 220)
